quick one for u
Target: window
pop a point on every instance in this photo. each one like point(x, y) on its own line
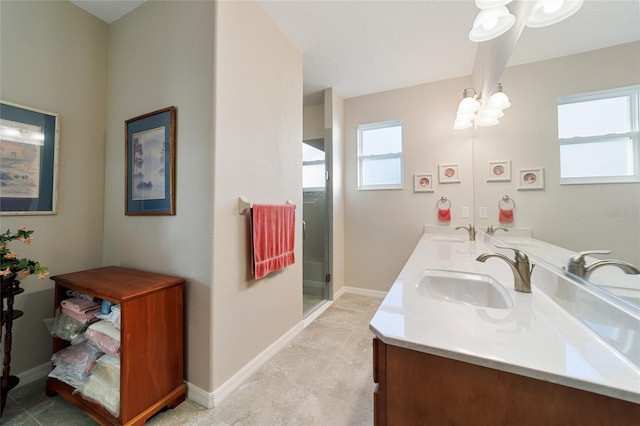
point(598, 134)
point(313, 169)
point(380, 155)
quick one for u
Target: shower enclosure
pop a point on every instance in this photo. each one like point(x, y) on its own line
point(315, 214)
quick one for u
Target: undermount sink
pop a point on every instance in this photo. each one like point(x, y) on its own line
point(464, 287)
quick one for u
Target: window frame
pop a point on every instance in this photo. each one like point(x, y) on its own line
point(391, 155)
point(633, 93)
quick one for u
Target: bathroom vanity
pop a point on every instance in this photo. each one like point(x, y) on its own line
point(445, 353)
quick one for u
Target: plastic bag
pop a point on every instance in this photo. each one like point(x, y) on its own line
point(106, 336)
point(103, 385)
point(74, 363)
point(65, 327)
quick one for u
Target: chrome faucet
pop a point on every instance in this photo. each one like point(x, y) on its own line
point(470, 229)
point(577, 264)
point(519, 266)
point(491, 230)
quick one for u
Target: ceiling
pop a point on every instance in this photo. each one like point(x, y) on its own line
point(360, 47)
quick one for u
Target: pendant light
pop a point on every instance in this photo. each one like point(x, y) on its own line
point(466, 109)
point(548, 12)
point(491, 22)
point(499, 100)
point(469, 104)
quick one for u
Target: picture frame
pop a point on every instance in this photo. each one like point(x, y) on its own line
point(448, 173)
point(150, 163)
point(499, 171)
point(531, 178)
point(29, 141)
point(423, 182)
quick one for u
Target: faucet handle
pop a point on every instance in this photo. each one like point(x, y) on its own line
point(578, 259)
point(519, 255)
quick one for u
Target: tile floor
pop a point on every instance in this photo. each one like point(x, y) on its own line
point(323, 377)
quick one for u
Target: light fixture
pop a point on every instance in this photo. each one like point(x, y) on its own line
point(488, 116)
point(548, 12)
point(469, 103)
point(499, 100)
point(487, 121)
point(491, 23)
point(466, 109)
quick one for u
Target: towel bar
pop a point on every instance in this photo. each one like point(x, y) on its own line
point(244, 205)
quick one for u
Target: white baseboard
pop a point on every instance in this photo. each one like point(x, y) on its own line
point(212, 399)
point(363, 291)
point(36, 373)
point(199, 395)
point(315, 314)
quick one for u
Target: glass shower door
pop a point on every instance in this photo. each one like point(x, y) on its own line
point(315, 226)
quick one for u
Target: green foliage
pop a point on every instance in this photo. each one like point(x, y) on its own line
point(12, 266)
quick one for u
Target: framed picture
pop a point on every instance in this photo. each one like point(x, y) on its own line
point(448, 173)
point(531, 179)
point(499, 171)
point(423, 182)
point(150, 163)
point(28, 160)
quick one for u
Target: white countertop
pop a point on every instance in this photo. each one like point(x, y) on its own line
point(536, 338)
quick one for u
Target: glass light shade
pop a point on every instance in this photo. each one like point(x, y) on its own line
point(487, 121)
point(491, 23)
point(486, 4)
point(489, 113)
point(468, 106)
point(461, 124)
point(548, 12)
point(466, 116)
point(499, 100)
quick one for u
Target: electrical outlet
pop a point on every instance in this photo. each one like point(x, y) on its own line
point(482, 211)
point(465, 212)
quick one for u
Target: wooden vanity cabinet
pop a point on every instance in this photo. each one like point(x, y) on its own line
point(415, 388)
point(152, 343)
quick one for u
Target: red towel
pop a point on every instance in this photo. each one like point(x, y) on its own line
point(273, 232)
point(505, 216)
point(444, 215)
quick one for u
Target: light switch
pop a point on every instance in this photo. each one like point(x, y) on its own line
point(483, 212)
point(465, 212)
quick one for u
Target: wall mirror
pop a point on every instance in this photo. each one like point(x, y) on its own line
point(578, 217)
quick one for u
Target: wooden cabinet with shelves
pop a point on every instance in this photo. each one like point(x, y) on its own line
point(418, 388)
point(151, 341)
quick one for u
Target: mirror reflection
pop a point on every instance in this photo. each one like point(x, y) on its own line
point(578, 216)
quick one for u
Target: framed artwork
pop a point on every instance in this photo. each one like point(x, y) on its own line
point(150, 162)
point(448, 173)
point(28, 160)
point(423, 182)
point(499, 171)
point(531, 179)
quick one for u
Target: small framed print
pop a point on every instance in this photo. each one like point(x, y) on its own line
point(423, 182)
point(448, 173)
point(531, 179)
point(499, 171)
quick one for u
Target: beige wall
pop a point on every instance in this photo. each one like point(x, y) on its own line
point(161, 54)
point(313, 122)
point(54, 59)
point(572, 216)
point(258, 155)
point(382, 227)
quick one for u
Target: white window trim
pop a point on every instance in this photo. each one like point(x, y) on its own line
point(361, 158)
point(634, 94)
